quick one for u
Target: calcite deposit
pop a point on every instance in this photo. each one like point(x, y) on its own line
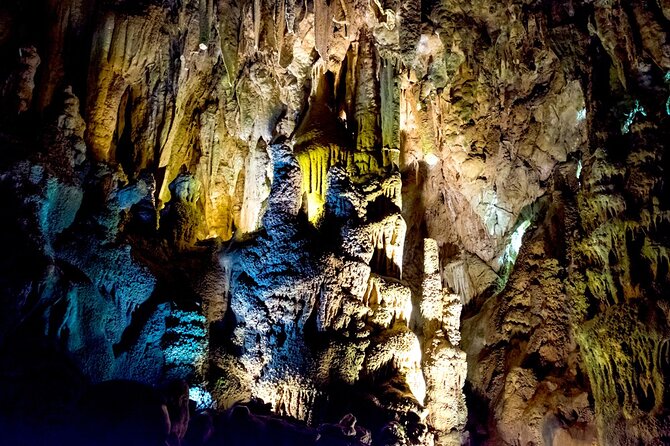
point(334, 222)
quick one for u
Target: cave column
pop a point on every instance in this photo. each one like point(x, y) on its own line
point(444, 363)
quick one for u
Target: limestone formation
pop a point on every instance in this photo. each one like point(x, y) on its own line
point(444, 365)
point(65, 136)
point(181, 219)
point(276, 304)
point(336, 222)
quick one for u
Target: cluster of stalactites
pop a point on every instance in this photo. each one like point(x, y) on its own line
point(390, 301)
point(374, 229)
point(388, 239)
point(314, 164)
point(290, 396)
point(353, 121)
point(625, 363)
point(605, 247)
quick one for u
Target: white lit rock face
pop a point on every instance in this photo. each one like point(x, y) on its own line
point(439, 222)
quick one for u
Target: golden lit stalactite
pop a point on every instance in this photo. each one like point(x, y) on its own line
point(320, 143)
point(323, 26)
point(388, 241)
point(257, 14)
point(314, 164)
point(123, 48)
point(392, 296)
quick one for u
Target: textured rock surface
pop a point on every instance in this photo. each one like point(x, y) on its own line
point(350, 210)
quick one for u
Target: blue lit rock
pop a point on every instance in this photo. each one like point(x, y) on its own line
point(44, 205)
point(184, 344)
point(115, 285)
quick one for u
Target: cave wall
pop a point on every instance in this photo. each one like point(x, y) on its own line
point(393, 201)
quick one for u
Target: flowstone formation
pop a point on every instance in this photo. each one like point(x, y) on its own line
point(335, 222)
point(314, 311)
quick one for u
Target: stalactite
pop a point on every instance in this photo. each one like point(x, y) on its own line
point(257, 14)
point(388, 238)
point(623, 362)
point(314, 165)
point(367, 105)
point(389, 301)
point(600, 208)
point(390, 112)
point(323, 26)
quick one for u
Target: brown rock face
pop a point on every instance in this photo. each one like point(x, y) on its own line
point(440, 222)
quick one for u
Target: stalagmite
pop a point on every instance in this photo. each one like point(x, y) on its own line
point(444, 365)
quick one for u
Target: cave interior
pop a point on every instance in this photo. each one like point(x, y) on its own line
point(334, 222)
